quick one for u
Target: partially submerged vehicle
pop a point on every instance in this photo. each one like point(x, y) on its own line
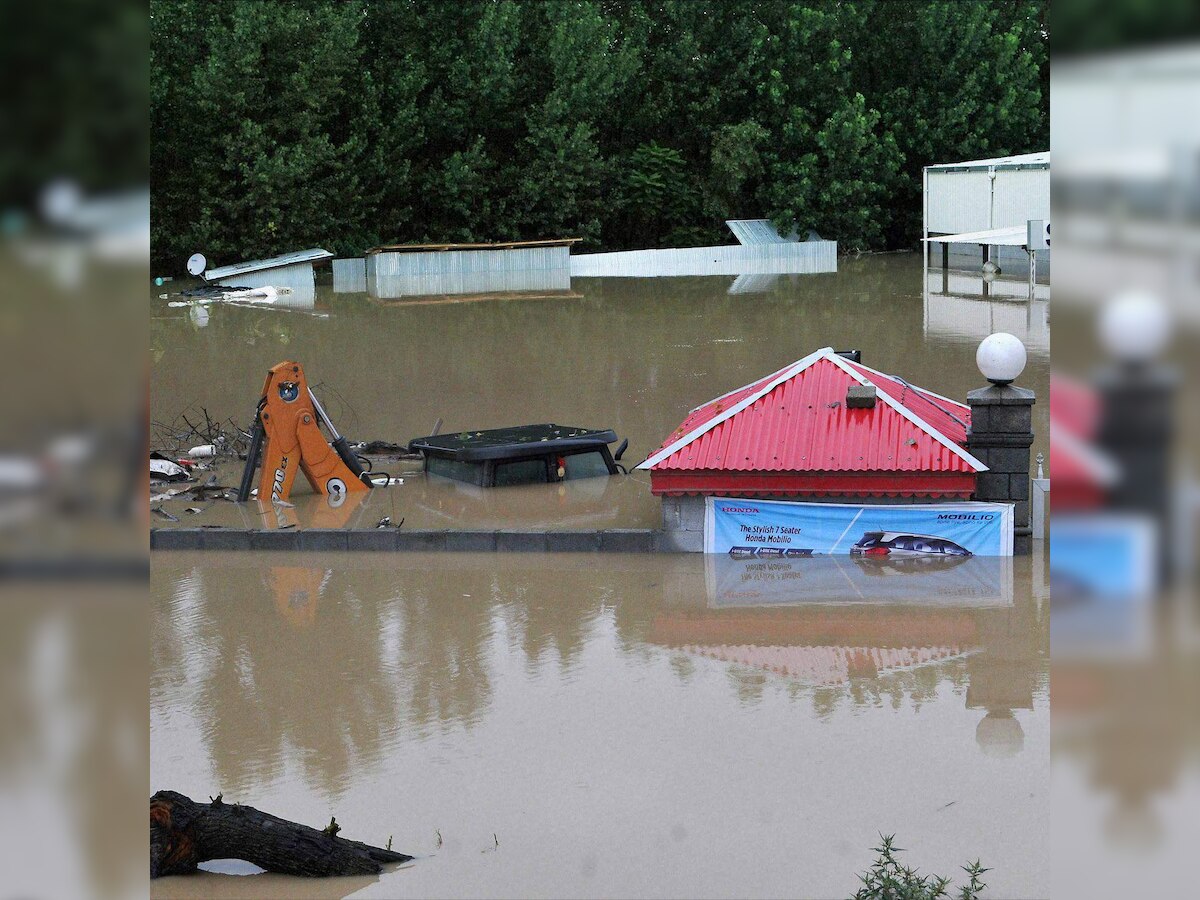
point(525, 454)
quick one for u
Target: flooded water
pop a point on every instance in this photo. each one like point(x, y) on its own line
point(637, 726)
point(632, 354)
point(537, 725)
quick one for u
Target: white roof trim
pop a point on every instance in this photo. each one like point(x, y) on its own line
point(736, 389)
point(780, 377)
point(1041, 158)
point(1100, 466)
point(914, 418)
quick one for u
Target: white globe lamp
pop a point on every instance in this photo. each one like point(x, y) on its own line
point(1001, 358)
point(1135, 327)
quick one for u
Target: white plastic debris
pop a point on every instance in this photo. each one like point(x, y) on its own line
point(204, 451)
point(165, 470)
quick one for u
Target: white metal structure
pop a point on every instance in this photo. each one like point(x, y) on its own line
point(350, 276)
point(988, 203)
point(804, 258)
point(391, 274)
point(986, 194)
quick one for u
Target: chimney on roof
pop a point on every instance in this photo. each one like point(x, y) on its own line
point(860, 396)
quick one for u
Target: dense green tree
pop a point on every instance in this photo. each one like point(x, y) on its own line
point(628, 123)
point(951, 81)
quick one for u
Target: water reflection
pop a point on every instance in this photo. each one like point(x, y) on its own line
point(812, 622)
point(951, 282)
point(971, 319)
point(954, 582)
point(523, 693)
point(328, 665)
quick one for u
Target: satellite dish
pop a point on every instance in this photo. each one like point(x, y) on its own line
point(60, 200)
point(196, 264)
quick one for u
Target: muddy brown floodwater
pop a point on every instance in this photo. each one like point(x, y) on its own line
point(632, 354)
point(561, 725)
point(628, 726)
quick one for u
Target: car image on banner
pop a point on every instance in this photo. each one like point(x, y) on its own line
point(747, 528)
point(891, 543)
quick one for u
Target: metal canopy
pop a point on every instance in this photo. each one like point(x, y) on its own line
point(274, 262)
point(993, 237)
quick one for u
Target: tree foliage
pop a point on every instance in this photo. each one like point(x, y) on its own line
point(627, 123)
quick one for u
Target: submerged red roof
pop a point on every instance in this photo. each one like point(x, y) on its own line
point(791, 432)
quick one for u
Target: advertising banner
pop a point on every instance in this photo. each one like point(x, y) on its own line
point(775, 529)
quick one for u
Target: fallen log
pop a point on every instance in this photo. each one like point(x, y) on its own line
point(184, 833)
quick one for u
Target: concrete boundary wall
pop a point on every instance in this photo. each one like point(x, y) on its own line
point(615, 540)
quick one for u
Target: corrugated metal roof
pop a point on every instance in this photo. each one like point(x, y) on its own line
point(948, 417)
point(758, 231)
point(1024, 160)
point(257, 265)
point(796, 420)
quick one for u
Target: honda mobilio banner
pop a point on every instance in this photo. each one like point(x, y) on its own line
point(783, 529)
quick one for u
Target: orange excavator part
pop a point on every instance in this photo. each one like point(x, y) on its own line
point(292, 440)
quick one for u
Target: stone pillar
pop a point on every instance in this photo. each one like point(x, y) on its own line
point(1136, 430)
point(1000, 436)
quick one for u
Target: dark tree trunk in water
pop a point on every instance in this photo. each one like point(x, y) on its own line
point(184, 833)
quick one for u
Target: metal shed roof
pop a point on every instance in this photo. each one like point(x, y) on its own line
point(758, 231)
point(1023, 161)
point(795, 422)
point(274, 262)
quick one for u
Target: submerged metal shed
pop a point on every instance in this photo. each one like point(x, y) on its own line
point(986, 203)
point(984, 194)
point(291, 270)
point(398, 270)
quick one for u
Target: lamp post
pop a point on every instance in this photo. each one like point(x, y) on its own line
point(1001, 431)
point(1137, 396)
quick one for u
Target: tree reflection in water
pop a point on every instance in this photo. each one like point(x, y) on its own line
point(329, 665)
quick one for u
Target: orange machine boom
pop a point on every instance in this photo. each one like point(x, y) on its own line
point(288, 429)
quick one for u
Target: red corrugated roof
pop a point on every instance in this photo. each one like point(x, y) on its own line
point(796, 421)
point(947, 416)
point(1074, 407)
